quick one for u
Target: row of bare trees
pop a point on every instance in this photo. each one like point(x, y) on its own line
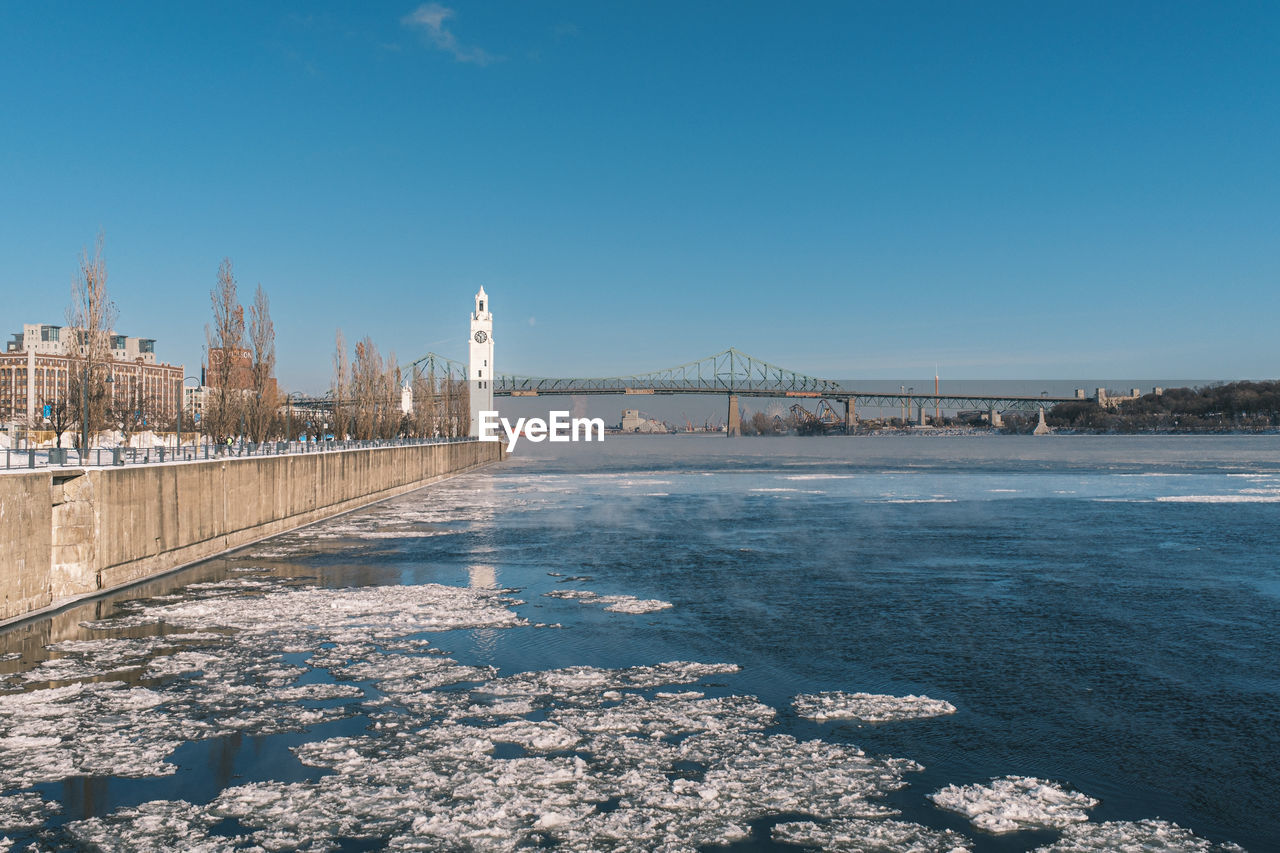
point(243, 398)
point(367, 397)
point(91, 316)
point(88, 399)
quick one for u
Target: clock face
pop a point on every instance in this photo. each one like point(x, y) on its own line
point(482, 336)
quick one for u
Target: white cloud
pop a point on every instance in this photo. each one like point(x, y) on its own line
point(533, 321)
point(431, 20)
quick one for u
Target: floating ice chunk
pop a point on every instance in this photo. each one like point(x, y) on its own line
point(535, 736)
point(179, 663)
point(59, 669)
point(612, 603)
point(685, 771)
point(236, 584)
point(1134, 837)
point(317, 692)
point(587, 684)
point(411, 673)
point(336, 615)
point(866, 836)
point(630, 604)
point(1014, 803)
point(83, 730)
point(112, 654)
point(912, 501)
point(1220, 499)
point(779, 775)
point(868, 707)
point(25, 811)
point(159, 825)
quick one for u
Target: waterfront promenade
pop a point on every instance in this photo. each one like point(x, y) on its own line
point(71, 531)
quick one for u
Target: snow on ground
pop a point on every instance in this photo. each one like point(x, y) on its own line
point(613, 603)
point(868, 707)
point(1014, 803)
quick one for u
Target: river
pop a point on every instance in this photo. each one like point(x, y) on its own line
point(985, 643)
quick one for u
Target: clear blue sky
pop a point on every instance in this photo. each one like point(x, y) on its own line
point(851, 189)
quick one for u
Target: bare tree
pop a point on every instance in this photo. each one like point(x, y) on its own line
point(62, 415)
point(90, 318)
point(366, 389)
point(423, 423)
point(391, 419)
point(226, 355)
point(263, 406)
point(131, 410)
point(455, 407)
point(341, 387)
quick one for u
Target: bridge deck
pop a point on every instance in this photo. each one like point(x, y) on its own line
point(729, 372)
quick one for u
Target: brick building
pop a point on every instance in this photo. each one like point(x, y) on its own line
point(35, 371)
point(240, 375)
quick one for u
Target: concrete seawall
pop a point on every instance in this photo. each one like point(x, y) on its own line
point(68, 532)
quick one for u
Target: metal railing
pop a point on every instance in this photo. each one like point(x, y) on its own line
point(70, 457)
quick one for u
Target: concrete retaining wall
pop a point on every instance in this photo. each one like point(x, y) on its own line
point(26, 525)
point(73, 531)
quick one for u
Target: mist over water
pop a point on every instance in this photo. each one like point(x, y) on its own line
point(1099, 611)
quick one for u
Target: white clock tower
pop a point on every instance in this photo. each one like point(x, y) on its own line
point(480, 371)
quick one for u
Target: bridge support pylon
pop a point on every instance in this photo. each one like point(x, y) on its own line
point(850, 416)
point(735, 416)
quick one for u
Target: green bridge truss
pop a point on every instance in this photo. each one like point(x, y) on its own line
point(728, 372)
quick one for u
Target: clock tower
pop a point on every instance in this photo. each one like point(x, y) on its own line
point(480, 369)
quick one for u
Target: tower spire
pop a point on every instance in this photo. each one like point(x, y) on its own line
point(480, 369)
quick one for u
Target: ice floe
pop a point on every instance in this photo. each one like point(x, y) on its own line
point(1134, 837)
point(84, 729)
point(870, 836)
point(1252, 498)
point(868, 707)
point(612, 603)
point(458, 756)
point(154, 827)
point(26, 810)
point(1014, 803)
point(607, 767)
point(337, 615)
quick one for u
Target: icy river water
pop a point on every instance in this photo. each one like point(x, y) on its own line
point(684, 643)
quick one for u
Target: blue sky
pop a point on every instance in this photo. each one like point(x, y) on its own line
point(848, 189)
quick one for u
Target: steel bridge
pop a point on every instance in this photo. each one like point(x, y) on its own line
point(736, 374)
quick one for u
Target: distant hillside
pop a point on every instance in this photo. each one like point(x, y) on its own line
point(1235, 406)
